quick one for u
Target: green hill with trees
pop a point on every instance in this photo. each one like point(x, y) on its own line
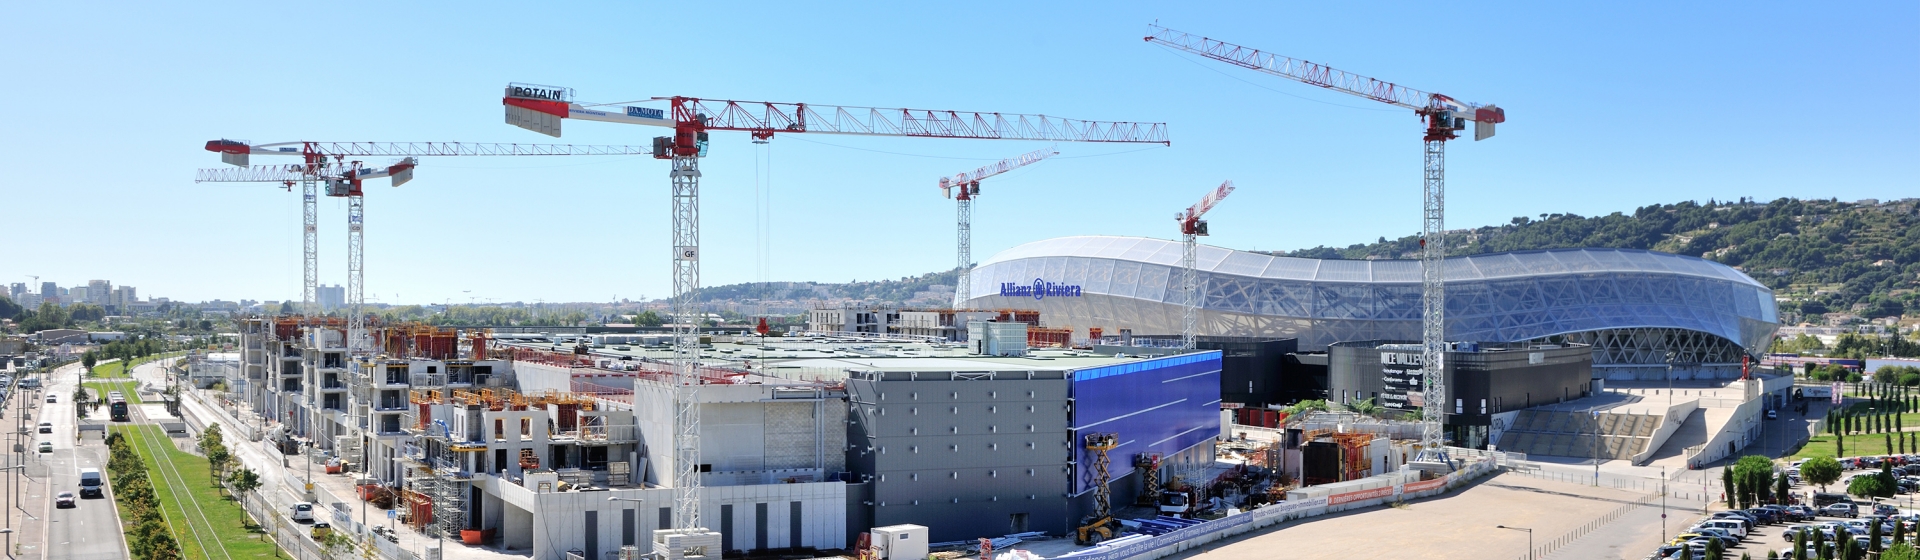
point(1824, 255)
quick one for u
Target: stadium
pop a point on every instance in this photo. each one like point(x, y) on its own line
point(1634, 307)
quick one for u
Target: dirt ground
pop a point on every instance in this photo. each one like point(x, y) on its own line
point(1458, 525)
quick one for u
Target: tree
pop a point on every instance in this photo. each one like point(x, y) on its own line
point(88, 359)
point(1715, 550)
point(1873, 537)
point(649, 319)
point(1821, 471)
point(244, 480)
point(1780, 489)
point(210, 438)
point(218, 461)
point(1800, 545)
point(1727, 486)
point(335, 543)
point(1865, 486)
point(1365, 407)
point(9, 309)
point(1900, 551)
point(1752, 476)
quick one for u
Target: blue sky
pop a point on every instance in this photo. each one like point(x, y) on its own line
point(1610, 106)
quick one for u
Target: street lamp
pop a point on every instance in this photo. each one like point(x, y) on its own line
point(636, 517)
point(1529, 538)
point(1670, 356)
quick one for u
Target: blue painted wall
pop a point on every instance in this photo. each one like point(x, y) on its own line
point(1161, 405)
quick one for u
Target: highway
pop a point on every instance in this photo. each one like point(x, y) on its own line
point(90, 530)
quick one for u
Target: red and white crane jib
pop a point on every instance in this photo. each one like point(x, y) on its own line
point(985, 171)
point(343, 179)
point(1190, 222)
point(1483, 116)
point(540, 109)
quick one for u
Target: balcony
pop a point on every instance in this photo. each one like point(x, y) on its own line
point(606, 435)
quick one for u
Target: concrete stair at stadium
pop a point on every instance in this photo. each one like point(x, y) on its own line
point(1571, 434)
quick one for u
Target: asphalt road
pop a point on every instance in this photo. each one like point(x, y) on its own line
point(91, 529)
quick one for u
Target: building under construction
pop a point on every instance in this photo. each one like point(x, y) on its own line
point(518, 442)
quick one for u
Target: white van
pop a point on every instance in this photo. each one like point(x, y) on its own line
point(302, 511)
point(1735, 528)
point(90, 483)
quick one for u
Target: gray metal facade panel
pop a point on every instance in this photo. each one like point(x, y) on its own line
point(977, 442)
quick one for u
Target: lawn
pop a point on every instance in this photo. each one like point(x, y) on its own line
point(118, 368)
point(126, 387)
point(228, 519)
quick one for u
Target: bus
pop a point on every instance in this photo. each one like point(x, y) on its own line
point(117, 405)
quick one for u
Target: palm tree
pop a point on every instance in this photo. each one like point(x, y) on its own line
point(1365, 407)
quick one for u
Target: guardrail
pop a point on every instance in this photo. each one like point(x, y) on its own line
point(1141, 547)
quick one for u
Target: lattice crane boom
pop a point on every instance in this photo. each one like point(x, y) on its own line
point(1191, 228)
point(969, 184)
point(1443, 116)
point(544, 109)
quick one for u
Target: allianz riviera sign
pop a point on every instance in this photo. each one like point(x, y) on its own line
point(1040, 289)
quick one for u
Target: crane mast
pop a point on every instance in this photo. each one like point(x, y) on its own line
point(969, 184)
point(1191, 228)
point(345, 179)
point(544, 109)
point(1444, 117)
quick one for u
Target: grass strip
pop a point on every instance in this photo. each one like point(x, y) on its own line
point(229, 520)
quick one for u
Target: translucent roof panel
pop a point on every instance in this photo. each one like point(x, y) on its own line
point(1492, 297)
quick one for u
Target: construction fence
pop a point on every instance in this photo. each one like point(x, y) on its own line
point(1149, 547)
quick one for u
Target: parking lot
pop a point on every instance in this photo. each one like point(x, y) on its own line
point(1767, 537)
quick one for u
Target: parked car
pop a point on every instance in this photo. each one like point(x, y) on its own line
point(1885, 510)
point(1766, 516)
point(1746, 521)
point(1727, 537)
point(1773, 414)
point(1843, 509)
point(302, 511)
point(63, 500)
point(53, 397)
point(1824, 499)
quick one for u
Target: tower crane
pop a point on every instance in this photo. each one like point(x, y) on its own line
point(1191, 228)
point(324, 162)
point(343, 180)
point(543, 109)
point(969, 184)
point(1443, 117)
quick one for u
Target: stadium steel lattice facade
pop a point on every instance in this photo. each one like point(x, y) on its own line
point(1633, 306)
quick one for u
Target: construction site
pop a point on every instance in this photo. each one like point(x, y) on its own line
point(1089, 397)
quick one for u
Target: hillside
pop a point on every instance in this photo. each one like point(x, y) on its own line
point(1826, 255)
point(887, 291)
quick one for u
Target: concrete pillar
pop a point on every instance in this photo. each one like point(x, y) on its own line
point(516, 527)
